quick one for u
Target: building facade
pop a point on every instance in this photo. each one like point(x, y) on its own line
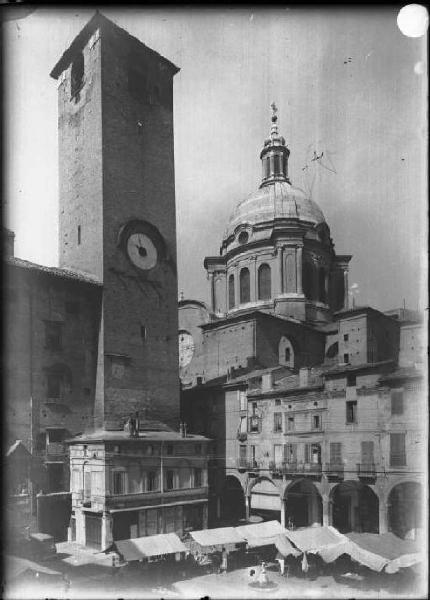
point(133, 483)
point(316, 408)
point(92, 345)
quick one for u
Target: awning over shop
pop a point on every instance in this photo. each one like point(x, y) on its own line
point(153, 545)
point(260, 534)
point(284, 547)
point(388, 548)
point(217, 537)
point(265, 496)
point(314, 539)
point(373, 550)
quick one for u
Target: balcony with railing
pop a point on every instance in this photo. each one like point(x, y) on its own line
point(334, 471)
point(246, 464)
point(366, 471)
point(295, 469)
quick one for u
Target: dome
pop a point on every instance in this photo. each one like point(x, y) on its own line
point(278, 200)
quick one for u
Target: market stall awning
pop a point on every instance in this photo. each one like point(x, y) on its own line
point(285, 547)
point(260, 534)
point(217, 537)
point(385, 548)
point(16, 567)
point(153, 545)
point(314, 539)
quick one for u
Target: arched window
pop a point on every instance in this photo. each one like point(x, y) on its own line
point(231, 291)
point(321, 285)
point(264, 282)
point(277, 164)
point(286, 352)
point(245, 293)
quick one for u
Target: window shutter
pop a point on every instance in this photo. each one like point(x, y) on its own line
point(397, 402)
point(307, 453)
point(397, 450)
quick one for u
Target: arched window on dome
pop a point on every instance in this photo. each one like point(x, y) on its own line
point(231, 291)
point(245, 288)
point(264, 282)
point(286, 352)
point(321, 285)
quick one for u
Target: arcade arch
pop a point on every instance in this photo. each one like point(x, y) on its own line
point(304, 506)
point(355, 507)
point(233, 506)
point(404, 508)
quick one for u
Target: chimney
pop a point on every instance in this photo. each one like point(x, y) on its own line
point(8, 243)
point(267, 382)
point(181, 429)
point(304, 376)
point(137, 422)
point(185, 429)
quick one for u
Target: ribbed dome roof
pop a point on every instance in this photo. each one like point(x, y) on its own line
point(278, 200)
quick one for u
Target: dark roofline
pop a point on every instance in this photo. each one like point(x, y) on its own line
point(96, 21)
point(13, 261)
point(249, 313)
point(362, 309)
point(340, 369)
point(285, 391)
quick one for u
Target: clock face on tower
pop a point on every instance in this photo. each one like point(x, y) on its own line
point(186, 348)
point(143, 244)
point(142, 251)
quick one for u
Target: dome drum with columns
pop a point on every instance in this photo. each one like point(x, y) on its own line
point(277, 253)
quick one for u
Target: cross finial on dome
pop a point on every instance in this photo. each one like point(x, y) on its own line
point(274, 128)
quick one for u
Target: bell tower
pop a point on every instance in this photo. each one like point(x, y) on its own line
point(117, 213)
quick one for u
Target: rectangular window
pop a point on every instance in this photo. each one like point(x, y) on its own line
point(290, 424)
point(254, 423)
point(397, 450)
point(367, 459)
point(351, 411)
point(53, 331)
point(345, 337)
point(54, 381)
point(396, 402)
point(335, 453)
point(316, 422)
point(242, 426)
point(252, 450)
point(351, 380)
point(170, 480)
point(242, 400)
point(254, 409)
point(278, 454)
point(277, 422)
point(79, 235)
point(198, 478)
point(346, 358)
point(119, 482)
point(169, 450)
point(151, 481)
point(55, 435)
point(290, 453)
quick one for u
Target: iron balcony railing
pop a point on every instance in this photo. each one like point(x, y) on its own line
point(247, 464)
point(334, 470)
point(366, 470)
point(293, 468)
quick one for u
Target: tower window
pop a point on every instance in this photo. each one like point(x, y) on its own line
point(264, 282)
point(231, 291)
point(79, 235)
point(77, 75)
point(245, 292)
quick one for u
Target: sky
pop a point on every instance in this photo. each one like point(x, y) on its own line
point(346, 82)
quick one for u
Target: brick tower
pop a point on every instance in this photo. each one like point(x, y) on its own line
point(117, 213)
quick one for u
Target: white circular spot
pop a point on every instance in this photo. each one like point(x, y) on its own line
point(419, 67)
point(413, 20)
